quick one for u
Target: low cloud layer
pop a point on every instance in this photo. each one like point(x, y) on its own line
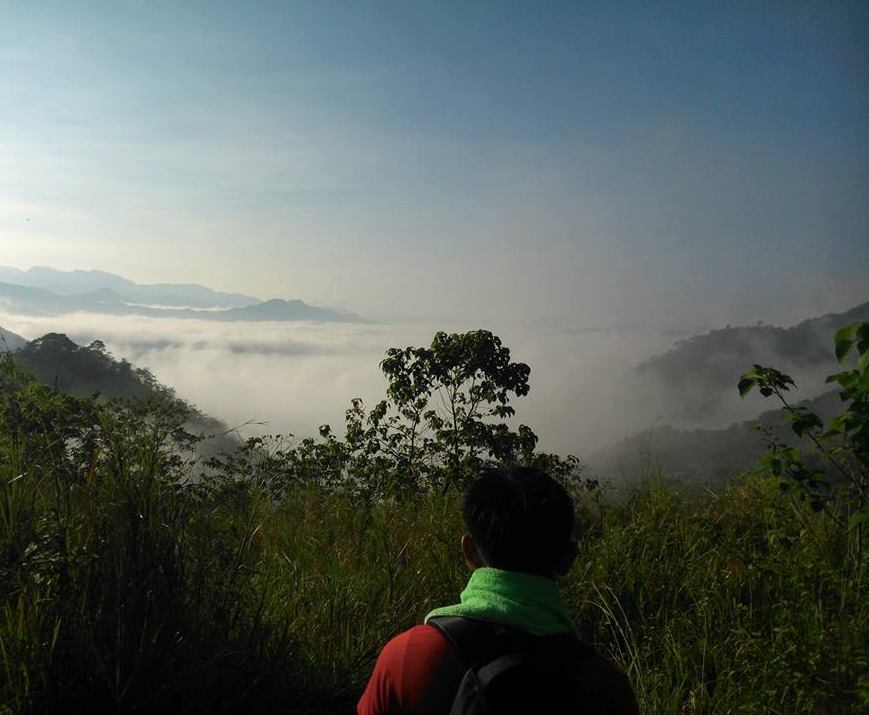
point(292, 377)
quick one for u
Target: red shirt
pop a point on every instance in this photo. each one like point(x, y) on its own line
point(418, 673)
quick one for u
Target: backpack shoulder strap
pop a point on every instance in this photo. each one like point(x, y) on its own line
point(478, 646)
point(481, 642)
point(473, 640)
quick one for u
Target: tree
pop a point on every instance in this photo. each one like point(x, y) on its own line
point(457, 393)
point(445, 411)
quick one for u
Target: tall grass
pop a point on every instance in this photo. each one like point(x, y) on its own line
point(742, 601)
point(122, 590)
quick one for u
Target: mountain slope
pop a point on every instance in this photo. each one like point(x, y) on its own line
point(277, 309)
point(698, 375)
point(706, 457)
point(56, 360)
point(10, 341)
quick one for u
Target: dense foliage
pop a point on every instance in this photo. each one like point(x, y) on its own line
point(92, 371)
point(134, 579)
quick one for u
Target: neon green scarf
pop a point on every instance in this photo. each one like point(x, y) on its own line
point(530, 603)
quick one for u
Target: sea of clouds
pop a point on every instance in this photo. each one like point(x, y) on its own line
point(291, 377)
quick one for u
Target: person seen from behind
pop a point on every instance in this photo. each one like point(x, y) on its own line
point(510, 645)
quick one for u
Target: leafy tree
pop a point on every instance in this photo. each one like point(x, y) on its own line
point(445, 409)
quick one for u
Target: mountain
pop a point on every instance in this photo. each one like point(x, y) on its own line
point(698, 376)
point(277, 309)
point(29, 300)
point(56, 360)
point(701, 457)
point(705, 434)
point(10, 341)
point(25, 300)
point(75, 283)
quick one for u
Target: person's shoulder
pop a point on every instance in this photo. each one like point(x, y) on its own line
point(411, 655)
point(415, 672)
point(424, 632)
point(419, 637)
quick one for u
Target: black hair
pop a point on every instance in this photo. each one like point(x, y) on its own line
point(520, 519)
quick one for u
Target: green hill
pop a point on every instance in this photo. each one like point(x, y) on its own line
point(56, 360)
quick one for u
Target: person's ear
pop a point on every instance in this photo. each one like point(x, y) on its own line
point(567, 559)
point(471, 553)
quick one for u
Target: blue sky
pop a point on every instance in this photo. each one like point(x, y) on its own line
point(597, 162)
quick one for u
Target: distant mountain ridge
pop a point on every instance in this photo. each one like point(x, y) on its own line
point(80, 282)
point(45, 291)
point(699, 374)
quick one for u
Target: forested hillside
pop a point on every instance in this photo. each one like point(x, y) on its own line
point(85, 371)
point(697, 375)
point(697, 458)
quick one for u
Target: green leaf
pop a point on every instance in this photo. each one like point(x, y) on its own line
point(805, 421)
point(844, 340)
point(746, 385)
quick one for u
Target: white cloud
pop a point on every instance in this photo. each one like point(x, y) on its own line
point(295, 376)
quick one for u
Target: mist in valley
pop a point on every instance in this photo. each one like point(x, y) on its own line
point(292, 377)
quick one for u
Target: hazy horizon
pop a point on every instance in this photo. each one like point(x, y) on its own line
point(539, 171)
point(291, 377)
point(847, 296)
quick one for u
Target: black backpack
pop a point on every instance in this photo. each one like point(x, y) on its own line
point(510, 672)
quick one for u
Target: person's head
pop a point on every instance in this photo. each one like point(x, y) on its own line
point(519, 519)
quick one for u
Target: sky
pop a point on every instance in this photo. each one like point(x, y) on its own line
point(597, 163)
